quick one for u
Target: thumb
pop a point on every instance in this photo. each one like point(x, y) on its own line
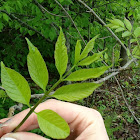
point(22, 136)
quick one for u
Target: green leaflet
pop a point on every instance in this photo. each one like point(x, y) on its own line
point(133, 40)
point(52, 124)
point(126, 33)
point(61, 57)
point(76, 91)
point(137, 32)
point(115, 27)
point(77, 51)
point(136, 51)
point(5, 17)
point(84, 74)
point(128, 24)
point(90, 59)
point(37, 67)
point(15, 85)
point(119, 29)
point(128, 52)
point(88, 48)
point(109, 25)
point(117, 22)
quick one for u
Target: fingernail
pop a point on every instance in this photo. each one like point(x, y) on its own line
point(8, 139)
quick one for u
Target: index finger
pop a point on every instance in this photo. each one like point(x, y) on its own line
point(73, 114)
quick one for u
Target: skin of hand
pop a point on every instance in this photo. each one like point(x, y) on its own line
point(84, 123)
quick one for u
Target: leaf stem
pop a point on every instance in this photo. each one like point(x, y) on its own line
point(45, 95)
point(68, 72)
point(32, 109)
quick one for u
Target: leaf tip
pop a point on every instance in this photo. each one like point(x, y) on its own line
point(2, 64)
point(30, 45)
point(94, 38)
point(60, 29)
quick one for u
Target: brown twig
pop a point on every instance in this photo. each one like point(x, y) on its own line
point(104, 37)
point(126, 101)
point(115, 73)
point(24, 24)
point(45, 10)
point(103, 23)
point(71, 20)
point(2, 88)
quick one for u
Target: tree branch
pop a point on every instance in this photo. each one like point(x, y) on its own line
point(2, 88)
point(103, 23)
point(126, 101)
point(45, 10)
point(71, 20)
point(25, 24)
point(115, 73)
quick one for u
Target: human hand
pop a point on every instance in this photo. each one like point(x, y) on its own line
point(85, 123)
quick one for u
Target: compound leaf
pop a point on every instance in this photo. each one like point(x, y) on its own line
point(75, 92)
point(37, 67)
point(84, 74)
point(61, 57)
point(15, 85)
point(52, 124)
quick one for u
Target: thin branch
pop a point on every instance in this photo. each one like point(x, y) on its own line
point(44, 9)
point(115, 73)
point(126, 101)
point(100, 90)
point(103, 23)
point(25, 24)
point(104, 37)
point(71, 20)
point(2, 88)
point(23, 15)
point(111, 3)
point(37, 96)
point(113, 59)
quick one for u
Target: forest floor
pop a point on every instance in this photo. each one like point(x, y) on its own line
point(109, 101)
